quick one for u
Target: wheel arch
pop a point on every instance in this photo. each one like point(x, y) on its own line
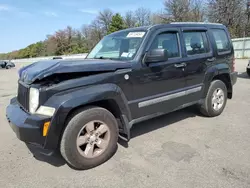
point(108, 104)
point(218, 72)
point(225, 78)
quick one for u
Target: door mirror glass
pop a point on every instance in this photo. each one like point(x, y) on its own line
point(156, 55)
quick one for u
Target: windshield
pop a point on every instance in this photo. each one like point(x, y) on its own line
point(118, 46)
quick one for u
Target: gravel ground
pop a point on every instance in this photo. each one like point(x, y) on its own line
point(181, 149)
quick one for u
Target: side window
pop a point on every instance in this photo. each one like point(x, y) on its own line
point(196, 42)
point(221, 39)
point(168, 41)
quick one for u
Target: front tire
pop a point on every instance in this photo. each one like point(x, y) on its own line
point(215, 100)
point(90, 138)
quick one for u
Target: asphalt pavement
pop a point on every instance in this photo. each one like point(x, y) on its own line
point(181, 149)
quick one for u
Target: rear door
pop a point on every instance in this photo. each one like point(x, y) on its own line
point(198, 56)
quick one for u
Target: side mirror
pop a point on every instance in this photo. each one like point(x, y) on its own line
point(156, 55)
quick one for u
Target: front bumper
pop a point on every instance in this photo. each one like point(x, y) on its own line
point(27, 127)
point(234, 76)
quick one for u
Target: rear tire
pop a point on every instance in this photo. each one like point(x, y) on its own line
point(7, 67)
point(79, 125)
point(215, 100)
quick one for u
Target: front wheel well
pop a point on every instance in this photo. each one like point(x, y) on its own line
point(108, 104)
point(227, 81)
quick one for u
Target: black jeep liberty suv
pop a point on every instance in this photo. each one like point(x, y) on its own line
point(81, 107)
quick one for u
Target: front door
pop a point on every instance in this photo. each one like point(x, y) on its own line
point(158, 87)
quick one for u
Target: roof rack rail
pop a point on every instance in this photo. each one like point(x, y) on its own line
point(195, 23)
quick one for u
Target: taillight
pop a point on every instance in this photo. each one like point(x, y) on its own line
point(233, 64)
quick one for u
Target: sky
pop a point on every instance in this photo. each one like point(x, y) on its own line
point(23, 22)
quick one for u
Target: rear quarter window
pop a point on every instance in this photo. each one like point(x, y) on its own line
point(222, 41)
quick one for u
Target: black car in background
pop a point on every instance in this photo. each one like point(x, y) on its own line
point(6, 64)
point(54, 58)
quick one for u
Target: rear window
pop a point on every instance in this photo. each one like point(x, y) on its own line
point(222, 41)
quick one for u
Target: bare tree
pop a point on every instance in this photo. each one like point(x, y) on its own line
point(85, 30)
point(159, 18)
point(197, 10)
point(142, 16)
point(96, 33)
point(177, 10)
point(230, 13)
point(104, 19)
point(92, 34)
point(184, 10)
point(86, 33)
point(129, 19)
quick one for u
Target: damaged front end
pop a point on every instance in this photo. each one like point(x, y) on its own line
point(64, 70)
point(61, 77)
point(41, 80)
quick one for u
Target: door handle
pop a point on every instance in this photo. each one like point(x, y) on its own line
point(180, 65)
point(211, 59)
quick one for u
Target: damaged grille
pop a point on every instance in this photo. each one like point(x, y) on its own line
point(23, 96)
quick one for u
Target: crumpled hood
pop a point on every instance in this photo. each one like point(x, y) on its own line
point(42, 69)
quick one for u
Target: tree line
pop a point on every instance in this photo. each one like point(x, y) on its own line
point(231, 13)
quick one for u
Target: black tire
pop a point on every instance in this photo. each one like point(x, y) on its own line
point(75, 123)
point(207, 107)
point(7, 67)
point(248, 72)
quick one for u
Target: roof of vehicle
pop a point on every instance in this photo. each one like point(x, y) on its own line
point(174, 24)
point(188, 24)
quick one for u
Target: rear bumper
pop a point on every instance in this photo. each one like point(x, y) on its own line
point(234, 76)
point(27, 127)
